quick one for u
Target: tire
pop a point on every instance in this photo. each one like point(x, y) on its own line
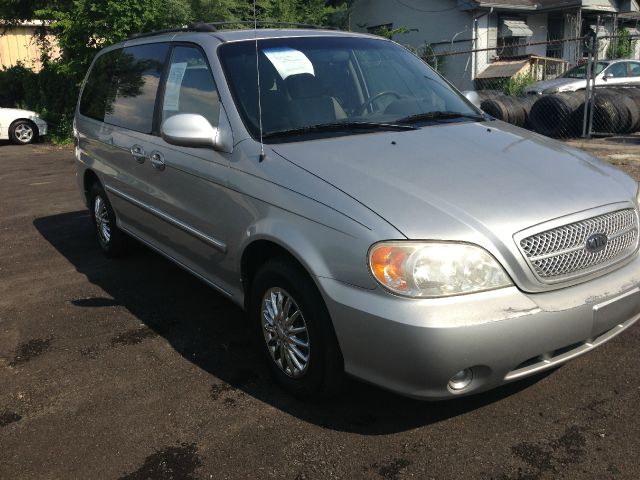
point(113, 242)
point(23, 132)
point(558, 115)
point(322, 375)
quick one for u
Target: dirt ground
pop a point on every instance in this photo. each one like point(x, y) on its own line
point(623, 152)
point(133, 369)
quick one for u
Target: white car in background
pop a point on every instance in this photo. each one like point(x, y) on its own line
point(609, 73)
point(21, 126)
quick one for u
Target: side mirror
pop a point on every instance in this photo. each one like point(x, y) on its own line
point(473, 97)
point(607, 76)
point(189, 130)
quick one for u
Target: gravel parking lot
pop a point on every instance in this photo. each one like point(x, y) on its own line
point(133, 369)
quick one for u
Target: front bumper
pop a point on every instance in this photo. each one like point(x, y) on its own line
point(414, 346)
point(42, 127)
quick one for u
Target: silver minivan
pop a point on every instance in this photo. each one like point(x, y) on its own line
point(370, 220)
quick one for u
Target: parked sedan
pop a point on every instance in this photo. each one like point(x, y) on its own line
point(21, 126)
point(608, 73)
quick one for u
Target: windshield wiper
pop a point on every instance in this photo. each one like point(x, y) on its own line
point(439, 115)
point(337, 127)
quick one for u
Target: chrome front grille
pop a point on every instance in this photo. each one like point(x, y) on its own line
point(561, 252)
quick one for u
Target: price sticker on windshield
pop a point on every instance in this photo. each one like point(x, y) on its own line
point(289, 61)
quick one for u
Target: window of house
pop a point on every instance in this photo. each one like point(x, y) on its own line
point(513, 35)
point(512, 46)
point(555, 32)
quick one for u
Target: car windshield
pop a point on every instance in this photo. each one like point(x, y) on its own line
point(581, 71)
point(346, 84)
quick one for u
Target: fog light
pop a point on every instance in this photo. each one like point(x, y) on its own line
point(461, 380)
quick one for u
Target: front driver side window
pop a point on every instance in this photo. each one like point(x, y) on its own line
point(190, 87)
point(618, 70)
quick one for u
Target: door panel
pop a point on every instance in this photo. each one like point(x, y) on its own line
point(188, 193)
point(128, 111)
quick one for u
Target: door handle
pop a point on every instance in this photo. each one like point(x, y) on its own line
point(157, 161)
point(137, 152)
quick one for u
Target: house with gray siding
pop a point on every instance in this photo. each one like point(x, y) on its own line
point(495, 29)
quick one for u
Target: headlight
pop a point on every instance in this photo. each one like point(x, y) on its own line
point(551, 90)
point(430, 269)
point(638, 196)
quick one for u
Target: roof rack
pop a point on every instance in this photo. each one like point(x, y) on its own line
point(266, 22)
point(214, 26)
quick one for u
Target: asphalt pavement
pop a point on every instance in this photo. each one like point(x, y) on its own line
point(133, 369)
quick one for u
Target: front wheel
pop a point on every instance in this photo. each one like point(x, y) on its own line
point(113, 242)
point(23, 132)
point(295, 331)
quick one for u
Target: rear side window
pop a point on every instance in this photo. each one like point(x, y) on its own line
point(138, 76)
point(190, 87)
point(99, 90)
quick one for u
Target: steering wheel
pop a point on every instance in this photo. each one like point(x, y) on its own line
point(377, 96)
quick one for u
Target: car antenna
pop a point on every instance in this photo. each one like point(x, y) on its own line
point(255, 36)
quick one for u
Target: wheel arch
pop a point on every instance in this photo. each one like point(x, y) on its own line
point(36, 131)
point(258, 252)
point(88, 179)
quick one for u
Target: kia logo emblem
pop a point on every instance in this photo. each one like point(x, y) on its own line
point(596, 242)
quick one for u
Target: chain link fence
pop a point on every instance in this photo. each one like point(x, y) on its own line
point(568, 88)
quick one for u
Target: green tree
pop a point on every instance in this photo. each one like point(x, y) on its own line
point(85, 26)
point(622, 46)
point(313, 12)
point(82, 27)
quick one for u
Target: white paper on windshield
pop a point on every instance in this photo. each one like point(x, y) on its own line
point(289, 61)
point(172, 88)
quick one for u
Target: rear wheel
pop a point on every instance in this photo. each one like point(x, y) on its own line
point(112, 241)
point(295, 331)
point(23, 132)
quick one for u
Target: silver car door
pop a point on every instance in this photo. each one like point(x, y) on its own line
point(634, 73)
point(189, 193)
point(130, 116)
point(616, 74)
point(95, 138)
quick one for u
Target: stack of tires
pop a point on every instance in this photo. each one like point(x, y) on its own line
point(514, 110)
point(558, 115)
point(616, 111)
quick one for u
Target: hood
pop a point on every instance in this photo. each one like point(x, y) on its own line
point(453, 181)
point(562, 83)
point(16, 112)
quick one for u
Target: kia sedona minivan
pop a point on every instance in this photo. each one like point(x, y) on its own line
point(370, 220)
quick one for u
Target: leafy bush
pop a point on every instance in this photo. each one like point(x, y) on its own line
point(51, 92)
point(623, 46)
point(428, 54)
point(13, 81)
point(515, 85)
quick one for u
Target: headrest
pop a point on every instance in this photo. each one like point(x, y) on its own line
point(303, 85)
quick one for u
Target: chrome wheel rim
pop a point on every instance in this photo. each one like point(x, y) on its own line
point(102, 219)
point(23, 132)
point(285, 332)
